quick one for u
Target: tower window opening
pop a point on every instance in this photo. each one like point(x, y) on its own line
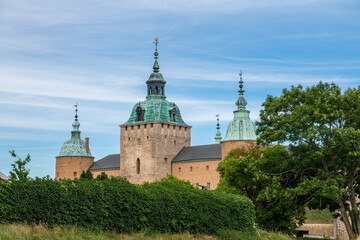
point(150, 91)
point(165, 136)
point(185, 129)
point(179, 169)
point(208, 186)
point(151, 125)
point(162, 125)
point(132, 127)
point(57, 174)
point(191, 168)
point(138, 126)
point(165, 159)
point(162, 90)
point(75, 174)
point(129, 139)
point(139, 141)
point(139, 114)
point(172, 114)
point(156, 90)
point(138, 166)
point(147, 137)
point(126, 128)
point(144, 125)
point(174, 142)
point(179, 127)
point(207, 167)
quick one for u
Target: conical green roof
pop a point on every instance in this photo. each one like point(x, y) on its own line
point(75, 146)
point(241, 127)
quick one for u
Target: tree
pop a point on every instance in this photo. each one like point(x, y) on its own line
point(19, 172)
point(265, 176)
point(323, 129)
point(86, 175)
point(102, 176)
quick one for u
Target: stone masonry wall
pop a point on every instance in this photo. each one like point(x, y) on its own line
point(155, 145)
point(201, 172)
point(226, 146)
point(109, 172)
point(71, 167)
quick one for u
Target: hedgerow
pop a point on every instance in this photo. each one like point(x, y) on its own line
point(115, 204)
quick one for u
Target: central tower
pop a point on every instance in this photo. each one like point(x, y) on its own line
point(154, 134)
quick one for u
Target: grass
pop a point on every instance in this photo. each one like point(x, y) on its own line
point(40, 232)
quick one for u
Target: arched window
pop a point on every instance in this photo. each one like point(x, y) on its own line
point(150, 91)
point(156, 90)
point(179, 169)
point(207, 167)
point(162, 90)
point(190, 169)
point(138, 166)
point(139, 114)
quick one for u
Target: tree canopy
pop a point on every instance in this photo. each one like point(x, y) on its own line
point(19, 172)
point(322, 126)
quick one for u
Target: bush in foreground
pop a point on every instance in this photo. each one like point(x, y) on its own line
point(115, 204)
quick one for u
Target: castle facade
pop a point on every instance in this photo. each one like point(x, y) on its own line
point(155, 141)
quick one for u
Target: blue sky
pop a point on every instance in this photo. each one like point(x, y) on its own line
point(100, 53)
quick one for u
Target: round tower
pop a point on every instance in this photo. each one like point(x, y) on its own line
point(241, 130)
point(75, 155)
point(154, 134)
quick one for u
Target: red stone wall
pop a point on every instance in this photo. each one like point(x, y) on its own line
point(226, 146)
point(109, 172)
point(201, 172)
point(71, 167)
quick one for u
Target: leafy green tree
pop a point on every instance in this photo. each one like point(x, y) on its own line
point(86, 175)
point(322, 126)
point(266, 176)
point(102, 176)
point(19, 172)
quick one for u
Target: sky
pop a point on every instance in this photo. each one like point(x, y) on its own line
point(99, 54)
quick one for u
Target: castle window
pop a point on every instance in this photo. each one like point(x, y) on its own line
point(151, 125)
point(190, 169)
point(138, 166)
point(132, 127)
point(75, 174)
point(185, 129)
point(174, 142)
point(208, 186)
point(139, 114)
point(168, 125)
point(147, 137)
point(139, 141)
point(156, 90)
point(125, 127)
point(179, 169)
point(172, 114)
point(165, 159)
point(207, 167)
point(162, 90)
point(162, 125)
point(128, 139)
point(179, 127)
point(150, 90)
point(57, 174)
point(144, 125)
point(165, 136)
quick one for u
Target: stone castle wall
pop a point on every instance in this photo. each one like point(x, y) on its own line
point(109, 172)
point(155, 145)
point(72, 167)
point(226, 146)
point(198, 172)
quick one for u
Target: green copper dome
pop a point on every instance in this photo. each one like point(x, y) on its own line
point(241, 127)
point(155, 108)
point(75, 146)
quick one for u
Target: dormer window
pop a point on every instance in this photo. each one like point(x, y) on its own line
point(172, 114)
point(139, 114)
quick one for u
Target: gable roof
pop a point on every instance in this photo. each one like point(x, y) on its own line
point(199, 153)
point(111, 161)
point(3, 177)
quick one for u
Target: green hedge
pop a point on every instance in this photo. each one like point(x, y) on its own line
point(115, 204)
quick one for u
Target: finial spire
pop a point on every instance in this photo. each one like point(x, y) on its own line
point(76, 110)
point(156, 64)
point(218, 134)
point(241, 91)
point(241, 102)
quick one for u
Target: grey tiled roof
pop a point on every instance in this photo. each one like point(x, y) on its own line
point(3, 176)
point(199, 153)
point(109, 162)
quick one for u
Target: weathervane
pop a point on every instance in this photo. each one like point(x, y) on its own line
point(156, 43)
point(76, 110)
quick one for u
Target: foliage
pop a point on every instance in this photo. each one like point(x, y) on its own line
point(265, 176)
point(115, 204)
point(323, 215)
point(86, 175)
point(102, 176)
point(19, 172)
point(323, 129)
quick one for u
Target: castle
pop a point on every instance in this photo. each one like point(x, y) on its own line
point(156, 141)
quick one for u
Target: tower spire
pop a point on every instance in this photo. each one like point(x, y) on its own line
point(76, 110)
point(156, 64)
point(241, 102)
point(218, 133)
